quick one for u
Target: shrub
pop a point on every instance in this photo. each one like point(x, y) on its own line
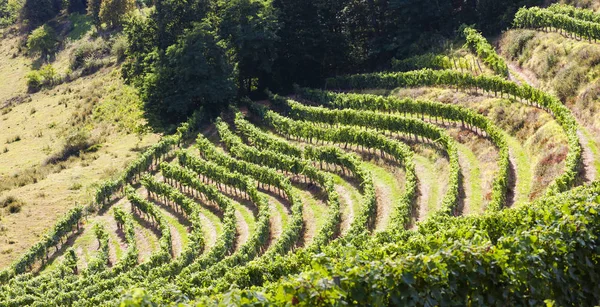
point(49, 75)
point(87, 51)
point(75, 143)
point(567, 81)
point(13, 204)
point(42, 41)
point(517, 44)
point(112, 12)
point(119, 47)
point(34, 81)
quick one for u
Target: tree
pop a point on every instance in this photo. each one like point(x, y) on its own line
point(173, 17)
point(112, 12)
point(36, 12)
point(249, 27)
point(42, 41)
point(193, 73)
point(93, 9)
point(76, 6)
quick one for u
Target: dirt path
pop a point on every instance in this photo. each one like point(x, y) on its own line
point(389, 189)
point(209, 230)
point(275, 221)
point(431, 183)
point(589, 161)
point(347, 206)
point(314, 211)
point(520, 76)
point(243, 231)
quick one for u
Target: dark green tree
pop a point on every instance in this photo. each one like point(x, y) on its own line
point(193, 73)
point(42, 41)
point(93, 9)
point(113, 12)
point(77, 6)
point(249, 27)
point(37, 12)
point(173, 17)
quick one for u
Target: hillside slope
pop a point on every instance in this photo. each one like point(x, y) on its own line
point(34, 128)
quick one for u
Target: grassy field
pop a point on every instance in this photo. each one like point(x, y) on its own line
point(35, 127)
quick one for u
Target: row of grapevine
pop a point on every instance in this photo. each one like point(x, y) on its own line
point(101, 261)
point(433, 109)
point(345, 135)
point(158, 190)
point(265, 176)
point(437, 61)
point(473, 260)
point(575, 12)
point(104, 193)
point(477, 43)
point(61, 230)
point(395, 124)
point(140, 206)
point(256, 244)
point(537, 18)
point(125, 223)
point(93, 291)
point(295, 166)
point(328, 155)
point(151, 156)
point(560, 112)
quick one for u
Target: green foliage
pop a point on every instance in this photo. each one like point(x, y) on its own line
point(495, 85)
point(34, 81)
point(536, 18)
point(249, 27)
point(81, 25)
point(88, 51)
point(478, 43)
point(37, 12)
point(119, 48)
point(9, 11)
point(194, 73)
point(113, 12)
point(93, 10)
point(76, 6)
point(43, 41)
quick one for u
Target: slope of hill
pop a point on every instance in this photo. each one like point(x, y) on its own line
point(464, 176)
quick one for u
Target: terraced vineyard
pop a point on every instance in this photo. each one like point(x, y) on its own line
point(338, 196)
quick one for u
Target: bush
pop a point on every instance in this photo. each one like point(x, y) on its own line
point(517, 43)
point(119, 47)
point(43, 41)
point(34, 81)
point(112, 12)
point(75, 143)
point(567, 82)
point(87, 51)
point(13, 204)
point(49, 75)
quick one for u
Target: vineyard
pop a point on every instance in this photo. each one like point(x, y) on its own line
point(402, 187)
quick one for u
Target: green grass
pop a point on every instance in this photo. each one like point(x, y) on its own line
point(247, 216)
point(475, 192)
point(114, 241)
point(317, 207)
point(594, 149)
point(523, 170)
point(354, 195)
point(82, 24)
point(215, 221)
point(429, 176)
point(181, 229)
point(281, 210)
point(383, 178)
